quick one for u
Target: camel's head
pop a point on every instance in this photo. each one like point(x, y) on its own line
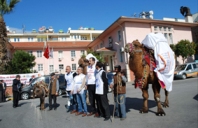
point(83, 62)
point(133, 47)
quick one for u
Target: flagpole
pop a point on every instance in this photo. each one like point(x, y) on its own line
point(49, 59)
point(53, 56)
point(44, 59)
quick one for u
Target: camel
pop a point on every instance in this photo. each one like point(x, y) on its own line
point(40, 90)
point(144, 74)
point(83, 62)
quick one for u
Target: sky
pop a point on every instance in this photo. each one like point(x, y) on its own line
point(100, 14)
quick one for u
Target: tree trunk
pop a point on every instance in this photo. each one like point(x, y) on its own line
point(3, 45)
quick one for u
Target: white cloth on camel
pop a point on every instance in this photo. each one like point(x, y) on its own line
point(91, 55)
point(164, 57)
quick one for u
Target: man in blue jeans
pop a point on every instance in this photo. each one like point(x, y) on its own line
point(119, 86)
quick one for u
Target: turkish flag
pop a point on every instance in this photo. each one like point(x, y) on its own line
point(46, 53)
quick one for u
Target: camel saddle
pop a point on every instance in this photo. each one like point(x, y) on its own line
point(148, 58)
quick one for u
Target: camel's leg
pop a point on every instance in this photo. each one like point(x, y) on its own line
point(145, 96)
point(166, 102)
point(156, 90)
point(42, 100)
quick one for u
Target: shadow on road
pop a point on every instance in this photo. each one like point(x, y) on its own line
point(64, 96)
point(21, 104)
point(47, 105)
point(135, 104)
point(196, 97)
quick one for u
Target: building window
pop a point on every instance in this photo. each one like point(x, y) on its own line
point(121, 57)
point(51, 68)
point(61, 67)
point(16, 39)
point(63, 38)
point(101, 45)
point(94, 38)
point(119, 36)
point(170, 38)
point(30, 52)
point(41, 39)
point(40, 67)
point(83, 38)
point(39, 53)
point(60, 54)
point(160, 28)
point(155, 28)
point(169, 28)
point(82, 52)
point(165, 34)
point(73, 54)
point(165, 28)
point(30, 38)
point(73, 66)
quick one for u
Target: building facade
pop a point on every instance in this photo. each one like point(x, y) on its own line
point(126, 29)
point(68, 47)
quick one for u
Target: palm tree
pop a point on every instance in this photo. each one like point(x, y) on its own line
point(6, 6)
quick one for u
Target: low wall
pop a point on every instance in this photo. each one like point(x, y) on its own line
point(9, 90)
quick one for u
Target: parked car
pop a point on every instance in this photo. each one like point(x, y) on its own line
point(27, 91)
point(186, 70)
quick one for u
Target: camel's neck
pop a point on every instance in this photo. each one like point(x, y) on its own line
point(85, 70)
point(135, 64)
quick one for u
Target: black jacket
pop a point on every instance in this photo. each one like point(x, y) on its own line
point(15, 85)
point(105, 81)
point(1, 87)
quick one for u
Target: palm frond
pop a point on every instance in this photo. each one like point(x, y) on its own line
point(7, 6)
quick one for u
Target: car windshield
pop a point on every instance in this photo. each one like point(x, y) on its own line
point(180, 67)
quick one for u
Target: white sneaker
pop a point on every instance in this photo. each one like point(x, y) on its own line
point(109, 90)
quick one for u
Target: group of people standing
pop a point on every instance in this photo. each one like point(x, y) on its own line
point(95, 83)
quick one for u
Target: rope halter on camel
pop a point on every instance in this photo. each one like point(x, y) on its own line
point(130, 48)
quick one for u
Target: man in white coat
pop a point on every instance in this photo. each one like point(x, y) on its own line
point(91, 85)
point(72, 103)
point(101, 92)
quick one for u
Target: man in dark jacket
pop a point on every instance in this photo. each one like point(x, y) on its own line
point(15, 90)
point(1, 92)
point(53, 91)
point(4, 85)
point(101, 92)
point(119, 89)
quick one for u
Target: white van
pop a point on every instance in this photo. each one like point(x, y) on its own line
point(186, 70)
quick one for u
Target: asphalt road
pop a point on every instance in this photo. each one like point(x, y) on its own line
point(182, 113)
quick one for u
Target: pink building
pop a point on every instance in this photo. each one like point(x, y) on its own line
point(110, 43)
point(64, 53)
point(126, 29)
